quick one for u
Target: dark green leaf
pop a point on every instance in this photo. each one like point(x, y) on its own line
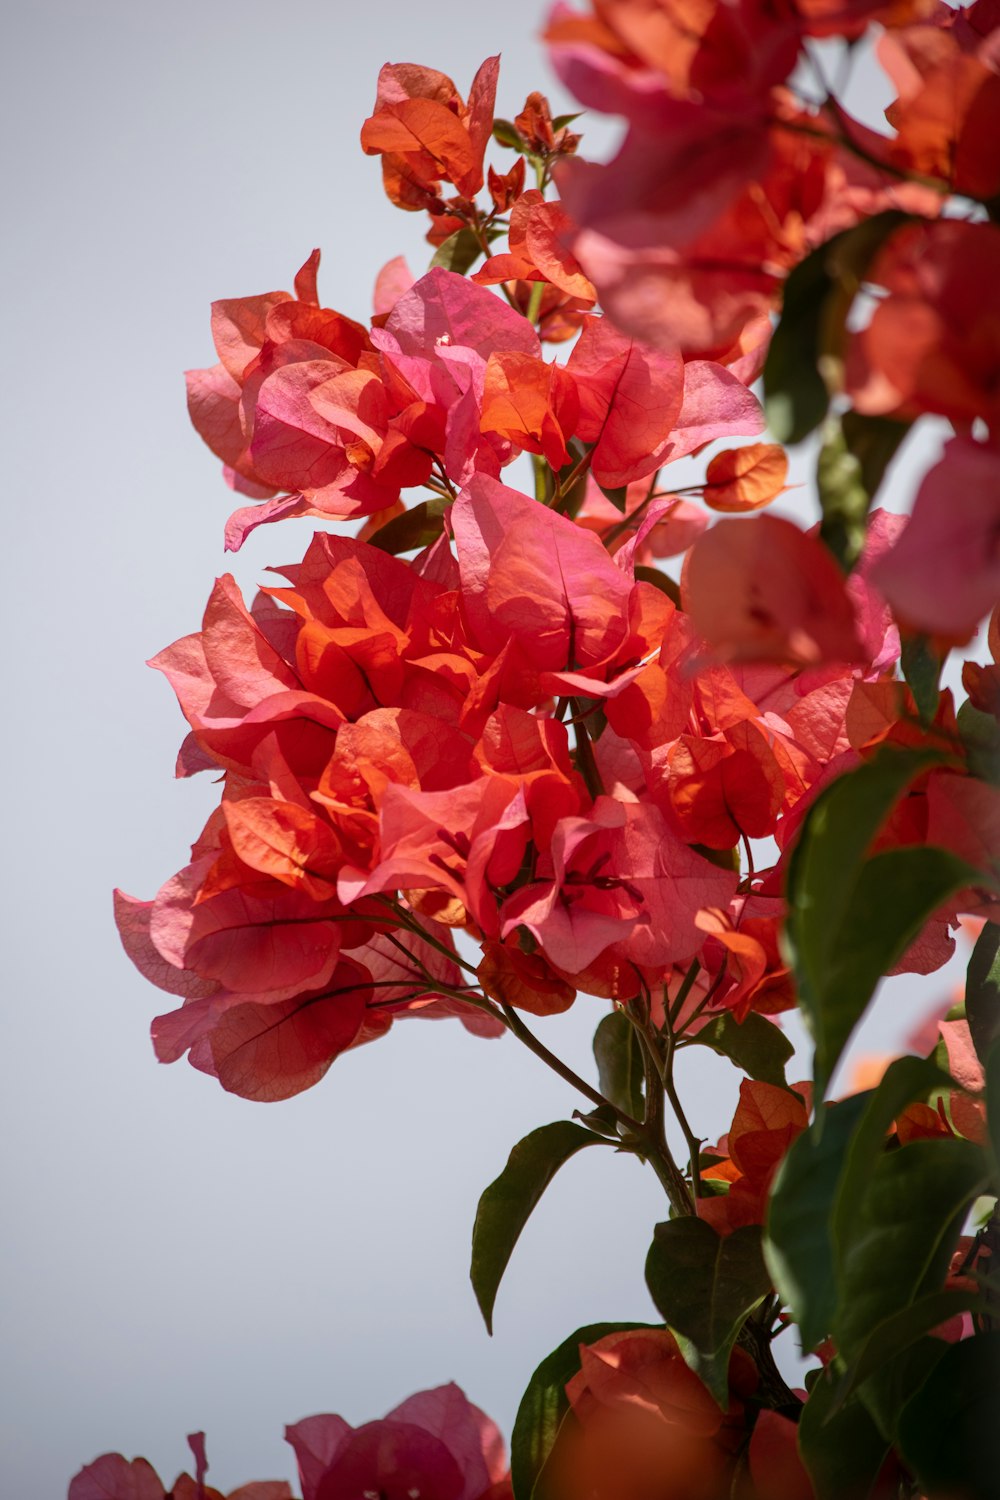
point(756, 1046)
point(507, 1203)
point(561, 121)
point(506, 134)
point(414, 528)
point(922, 670)
point(659, 580)
point(895, 894)
point(949, 1431)
point(798, 1246)
point(706, 1285)
point(602, 1120)
point(808, 342)
point(980, 736)
point(819, 1189)
point(544, 1406)
point(982, 990)
point(852, 461)
point(889, 1388)
point(873, 441)
point(905, 1081)
point(843, 498)
point(616, 496)
point(796, 397)
point(898, 1332)
point(459, 252)
point(993, 1103)
point(619, 1063)
point(835, 837)
point(903, 1233)
point(573, 498)
point(843, 1449)
point(825, 871)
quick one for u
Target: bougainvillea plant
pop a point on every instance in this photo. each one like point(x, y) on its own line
point(623, 742)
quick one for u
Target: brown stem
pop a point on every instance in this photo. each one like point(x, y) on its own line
point(661, 1160)
point(586, 764)
point(692, 1141)
point(514, 1023)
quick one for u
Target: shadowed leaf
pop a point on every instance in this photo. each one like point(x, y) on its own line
point(507, 1203)
point(706, 1285)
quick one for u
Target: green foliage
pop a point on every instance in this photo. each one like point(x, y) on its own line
point(980, 736)
point(857, 1233)
point(619, 1063)
point(904, 1230)
point(922, 670)
point(798, 1246)
point(948, 1431)
point(993, 1108)
point(459, 252)
point(841, 1447)
point(544, 1407)
point(849, 469)
point(706, 1285)
point(806, 354)
point(982, 990)
point(901, 1330)
point(659, 580)
point(851, 917)
point(754, 1045)
point(418, 527)
point(507, 1204)
point(617, 496)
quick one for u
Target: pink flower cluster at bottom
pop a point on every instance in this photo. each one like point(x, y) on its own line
point(434, 1446)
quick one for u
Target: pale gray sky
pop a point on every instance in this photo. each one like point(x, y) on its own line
point(174, 1258)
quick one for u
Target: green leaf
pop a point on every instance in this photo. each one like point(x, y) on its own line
point(843, 498)
point(459, 252)
point(993, 1103)
point(896, 1333)
point(980, 736)
point(922, 670)
point(507, 1203)
point(826, 873)
point(544, 1406)
point(895, 894)
point(819, 1189)
point(903, 1233)
point(755, 1045)
point(561, 121)
point(506, 134)
point(806, 352)
point(659, 580)
point(798, 1247)
point(851, 463)
point(948, 1431)
point(414, 528)
point(982, 990)
point(706, 1285)
point(906, 1080)
point(873, 441)
point(842, 1449)
point(617, 496)
point(619, 1063)
point(887, 1389)
point(835, 837)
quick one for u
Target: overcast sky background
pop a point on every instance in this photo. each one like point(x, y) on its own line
point(175, 1258)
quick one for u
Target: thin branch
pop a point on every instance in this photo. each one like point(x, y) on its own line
point(520, 1030)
